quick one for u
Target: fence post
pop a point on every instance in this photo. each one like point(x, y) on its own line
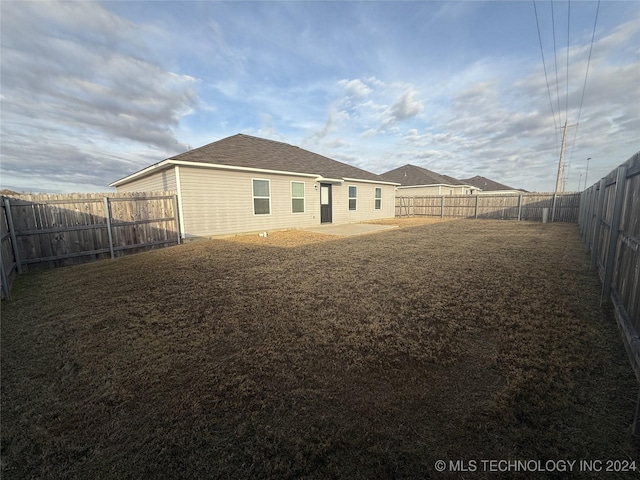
point(5, 281)
point(586, 212)
point(14, 240)
point(176, 214)
point(442, 207)
point(107, 214)
point(477, 206)
point(586, 215)
point(591, 208)
point(598, 224)
point(582, 210)
point(519, 206)
point(4, 278)
point(614, 231)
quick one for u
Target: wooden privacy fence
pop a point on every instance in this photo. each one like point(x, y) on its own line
point(561, 207)
point(8, 264)
point(609, 223)
point(47, 231)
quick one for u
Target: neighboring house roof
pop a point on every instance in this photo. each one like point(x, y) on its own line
point(245, 151)
point(486, 183)
point(414, 175)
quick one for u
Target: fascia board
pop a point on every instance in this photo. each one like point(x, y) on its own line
point(167, 163)
point(142, 173)
point(370, 181)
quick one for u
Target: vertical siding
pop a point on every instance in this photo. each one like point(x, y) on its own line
point(163, 181)
point(220, 202)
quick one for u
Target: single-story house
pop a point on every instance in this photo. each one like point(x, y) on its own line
point(486, 186)
point(416, 181)
point(248, 184)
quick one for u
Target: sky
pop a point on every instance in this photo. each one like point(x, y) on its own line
point(92, 92)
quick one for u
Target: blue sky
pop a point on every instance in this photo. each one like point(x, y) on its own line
point(92, 92)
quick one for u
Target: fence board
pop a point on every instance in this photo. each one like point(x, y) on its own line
point(611, 231)
point(8, 264)
point(525, 206)
point(55, 230)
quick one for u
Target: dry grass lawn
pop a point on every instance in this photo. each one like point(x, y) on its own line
point(364, 357)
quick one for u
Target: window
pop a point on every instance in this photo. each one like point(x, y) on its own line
point(297, 197)
point(378, 201)
point(353, 197)
point(261, 197)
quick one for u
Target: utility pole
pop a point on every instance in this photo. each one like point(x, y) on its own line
point(559, 187)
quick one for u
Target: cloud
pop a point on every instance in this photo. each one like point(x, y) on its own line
point(89, 95)
point(335, 119)
point(355, 88)
point(492, 117)
point(378, 106)
point(406, 106)
point(80, 73)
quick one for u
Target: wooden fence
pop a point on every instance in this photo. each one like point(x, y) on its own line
point(609, 223)
point(561, 207)
point(48, 231)
point(8, 264)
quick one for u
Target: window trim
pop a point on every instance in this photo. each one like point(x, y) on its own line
point(253, 196)
point(303, 197)
point(349, 198)
point(377, 201)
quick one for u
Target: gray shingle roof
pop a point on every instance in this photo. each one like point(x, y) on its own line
point(414, 175)
point(486, 183)
point(252, 152)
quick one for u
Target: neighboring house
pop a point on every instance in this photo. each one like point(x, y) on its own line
point(416, 181)
point(249, 184)
point(490, 187)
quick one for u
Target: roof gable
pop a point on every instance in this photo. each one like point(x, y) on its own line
point(252, 152)
point(414, 175)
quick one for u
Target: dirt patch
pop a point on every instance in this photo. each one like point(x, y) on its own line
point(282, 238)
point(297, 237)
point(461, 340)
point(410, 221)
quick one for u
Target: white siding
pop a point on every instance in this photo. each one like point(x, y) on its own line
point(156, 182)
point(218, 202)
point(365, 209)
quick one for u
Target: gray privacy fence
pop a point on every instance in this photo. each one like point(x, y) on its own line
point(48, 231)
point(609, 223)
point(560, 207)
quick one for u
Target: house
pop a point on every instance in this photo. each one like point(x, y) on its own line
point(486, 186)
point(248, 184)
point(416, 181)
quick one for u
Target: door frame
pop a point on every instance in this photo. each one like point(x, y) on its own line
point(329, 206)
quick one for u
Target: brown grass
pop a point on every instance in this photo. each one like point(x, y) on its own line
point(364, 357)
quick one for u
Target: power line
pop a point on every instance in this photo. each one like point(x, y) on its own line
point(586, 74)
point(544, 65)
point(555, 55)
point(566, 108)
